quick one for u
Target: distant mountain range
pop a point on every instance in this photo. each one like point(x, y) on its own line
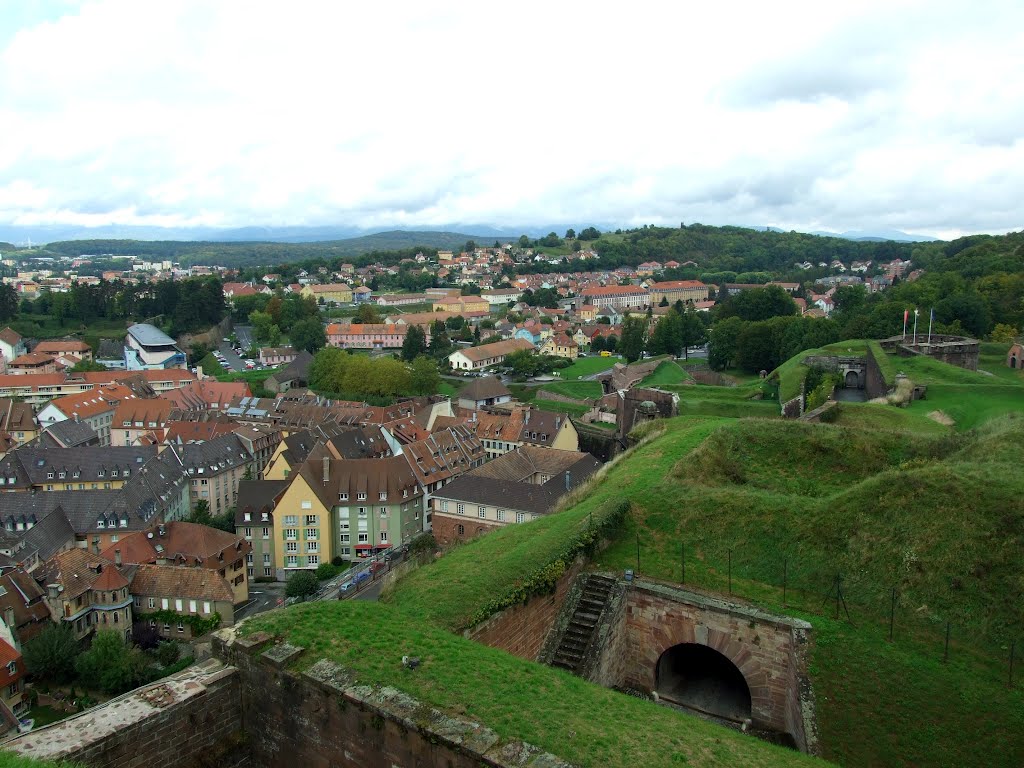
point(351, 236)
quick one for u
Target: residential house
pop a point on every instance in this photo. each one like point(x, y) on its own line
point(18, 421)
point(86, 592)
point(293, 375)
point(467, 306)
point(516, 488)
point(174, 593)
point(23, 605)
point(55, 348)
point(366, 335)
point(138, 422)
point(477, 358)
point(207, 395)
point(11, 346)
point(12, 679)
point(482, 392)
point(560, 345)
point(274, 356)
point(32, 363)
point(215, 468)
point(188, 545)
point(71, 469)
point(499, 297)
point(254, 521)
point(95, 407)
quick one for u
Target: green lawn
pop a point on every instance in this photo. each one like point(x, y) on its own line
point(571, 409)
point(588, 366)
point(581, 390)
point(993, 360)
point(518, 699)
point(666, 373)
point(970, 406)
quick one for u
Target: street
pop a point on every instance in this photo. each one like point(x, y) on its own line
point(262, 597)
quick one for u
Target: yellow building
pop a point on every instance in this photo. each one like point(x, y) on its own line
point(337, 293)
point(302, 528)
point(462, 305)
point(678, 290)
point(560, 345)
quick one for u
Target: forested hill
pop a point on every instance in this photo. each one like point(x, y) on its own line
point(245, 254)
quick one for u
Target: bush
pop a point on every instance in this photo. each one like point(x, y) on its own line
point(111, 664)
point(302, 584)
point(336, 560)
point(327, 571)
point(167, 653)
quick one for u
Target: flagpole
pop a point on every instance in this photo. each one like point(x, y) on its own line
point(916, 312)
point(931, 318)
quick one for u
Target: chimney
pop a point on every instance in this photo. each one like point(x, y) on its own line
point(568, 480)
point(117, 557)
point(327, 469)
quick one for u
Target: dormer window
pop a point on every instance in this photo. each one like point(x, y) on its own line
point(76, 474)
point(62, 475)
point(126, 423)
point(113, 473)
point(361, 497)
point(101, 473)
point(100, 523)
point(49, 475)
point(383, 495)
point(126, 472)
point(246, 517)
point(343, 497)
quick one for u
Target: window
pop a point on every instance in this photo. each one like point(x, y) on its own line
point(177, 605)
point(345, 538)
point(191, 606)
point(383, 537)
point(152, 602)
point(359, 496)
point(12, 667)
point(312, 546)
point(266, 533)
point(346, 550)
point(246, 517)
point(165, 604)
point(444, 506)
point(362, 511)
point(306, 504)
point(248, 533)
point(312, 520)
point(383, 511)
point(266, 558)
point(501, 515)
point(268, 571)
point(520, 517)
point(313, 560)
point(481, 512)
point(291, 534)
point(181, 626)
point(138, 602)
point(206, 606)
point(461, 509)
point(291, 561)
point(291, 546)
point(364, 538)
point(383, 496)
point(291, 520)
point(462, 530)
point(248, 559)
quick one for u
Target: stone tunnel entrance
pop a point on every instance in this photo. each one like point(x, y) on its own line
point(852, 380)
point(701, 678)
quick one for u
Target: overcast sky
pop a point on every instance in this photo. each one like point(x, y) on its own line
point(818, 115)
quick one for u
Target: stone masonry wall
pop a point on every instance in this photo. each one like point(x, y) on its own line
point(523, 629)
point(874, 381)
point(321, 718)
point(762, 646)
point(189, 720)
point(445, 528)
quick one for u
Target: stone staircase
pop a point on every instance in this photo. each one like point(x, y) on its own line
point(578, 634)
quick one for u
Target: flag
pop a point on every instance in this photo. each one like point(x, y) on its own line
point(906, 316)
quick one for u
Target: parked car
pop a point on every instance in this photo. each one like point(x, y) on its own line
point(360, 577)
point(348, 586)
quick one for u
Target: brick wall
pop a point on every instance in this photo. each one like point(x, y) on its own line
point(523, 629)
point(322, 719)
point(188, 720)
point(446, 527)
point(763, 647)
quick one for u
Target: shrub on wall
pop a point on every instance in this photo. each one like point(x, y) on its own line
point(544, 579)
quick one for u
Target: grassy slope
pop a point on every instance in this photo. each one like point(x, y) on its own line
point(825, 499)
point(666, 373)
point(520, 699)
point(581, 390)
point(588, 366)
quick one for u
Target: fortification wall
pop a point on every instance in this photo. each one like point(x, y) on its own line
point(189, 720)
point(522, 630)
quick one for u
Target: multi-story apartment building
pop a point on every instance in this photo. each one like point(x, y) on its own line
point(477, 358)
point(18, 421)
point(616, 296)
point(135, 419)
point(215, 468)
point(40, 388)
point(254, 522)
point(366, 335)
point(678, 290)
point(71, 469)
point(274, 356)
point(59, 347)
point(335, 293)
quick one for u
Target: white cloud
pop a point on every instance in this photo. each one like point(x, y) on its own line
point(902, 115)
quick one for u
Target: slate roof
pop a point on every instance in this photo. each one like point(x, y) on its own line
point(110, 349)
point(69, 434)
point(213, 456)
point(33, 466)
point(50, 535)
point(257, 497)
point(371, 477)
point(476, 487)
point(484, 388)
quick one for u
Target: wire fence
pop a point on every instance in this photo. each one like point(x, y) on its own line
point(899, 614)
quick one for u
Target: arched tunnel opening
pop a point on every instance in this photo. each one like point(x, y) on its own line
point(852, 380)
point(701, 678)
